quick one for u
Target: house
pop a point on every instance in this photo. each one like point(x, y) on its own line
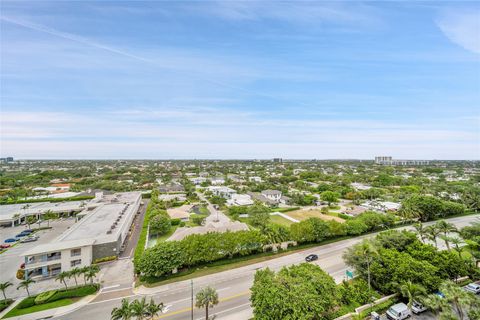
point(174, 197)
point(273, 195)
point(360, 186)
point(240, 200)
point(255, 179)
point(217, 181)
point(171, 188)
point(224, 192)
point(198, 180)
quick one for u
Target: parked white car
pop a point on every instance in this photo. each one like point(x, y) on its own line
point(473, 287)
point(417, 307)
point(398, 311)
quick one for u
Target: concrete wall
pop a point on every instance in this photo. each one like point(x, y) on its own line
point(106, 249)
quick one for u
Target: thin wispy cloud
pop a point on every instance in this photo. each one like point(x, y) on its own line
point(461, 27)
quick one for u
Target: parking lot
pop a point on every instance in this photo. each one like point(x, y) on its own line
point(11, 259)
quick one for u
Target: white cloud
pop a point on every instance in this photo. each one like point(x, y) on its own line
point(462, 28)
point(221, 133)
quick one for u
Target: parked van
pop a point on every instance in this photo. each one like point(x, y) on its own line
point(398, 311)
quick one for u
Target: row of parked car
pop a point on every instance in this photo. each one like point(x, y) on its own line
point(24, 236)
point(400, 311)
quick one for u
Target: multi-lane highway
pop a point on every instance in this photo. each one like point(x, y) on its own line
point(232, 285)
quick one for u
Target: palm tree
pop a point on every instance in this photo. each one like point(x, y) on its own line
point(139, 308)
point(62, 276)
point(25, 284)
point(432, 233)
point(48, 215)
point(4, 286)
point(457, 297)
point(74, 273)
point(368, 251)
point(30, 220)
point(206, 297)
point(153, 309)
point(421, 231)
point(83, 271)
point(456, 241)
point(445, 227)
point(122, 313)
point(411, 291)
point(92, 272)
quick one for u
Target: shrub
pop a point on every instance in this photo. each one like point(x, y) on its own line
point(175, 222)
point(105, 259)
point(20, 274)
point(74, 292)
point(160, 224)
point(44, 296)
point(26, 303)
point(4, 304)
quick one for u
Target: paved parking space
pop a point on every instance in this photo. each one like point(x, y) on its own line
point(12, 258)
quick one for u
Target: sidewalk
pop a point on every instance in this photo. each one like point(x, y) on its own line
point(51, 312)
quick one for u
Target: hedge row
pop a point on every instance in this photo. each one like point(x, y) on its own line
point(75, 292)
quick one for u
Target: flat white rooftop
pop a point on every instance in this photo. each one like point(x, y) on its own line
point(9, 210)
point(97, 224)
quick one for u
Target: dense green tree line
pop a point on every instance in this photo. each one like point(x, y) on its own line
point(198, 249)
point(398, 257)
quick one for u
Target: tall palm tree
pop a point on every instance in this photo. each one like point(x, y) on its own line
point(74, 273)
point(367, 251)
point(48, 215)
point(456, 241)
point(421, 231)
point(154, 309)
point(445, 227)
point(62, 276)
point(432, 233)
point(4, 286)
point(124, 312)
point(139, 308)
point(83, 272)
point(26, 284)
point(411, 291)
point(457, 297)
point(92, 272)
point(206, 297)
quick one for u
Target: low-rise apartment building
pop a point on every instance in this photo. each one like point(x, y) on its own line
point(101, 232)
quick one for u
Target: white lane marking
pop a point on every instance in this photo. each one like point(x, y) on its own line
point(110, 287)
point(113, 299)
point(166, 308)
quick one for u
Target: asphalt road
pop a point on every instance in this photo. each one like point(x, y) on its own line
point(232, 285)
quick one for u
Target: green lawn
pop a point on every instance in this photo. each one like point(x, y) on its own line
point(153, 239)
point(280, 220)
point(51, 305)
point(204, 210)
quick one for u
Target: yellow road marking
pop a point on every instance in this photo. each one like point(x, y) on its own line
point(189, 309)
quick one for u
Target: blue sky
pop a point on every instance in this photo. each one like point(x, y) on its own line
point(233, 79)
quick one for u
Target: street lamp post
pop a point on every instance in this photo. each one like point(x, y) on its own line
point(191, 286)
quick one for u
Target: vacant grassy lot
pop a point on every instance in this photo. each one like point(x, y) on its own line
point(280, 220)
point(305, 214)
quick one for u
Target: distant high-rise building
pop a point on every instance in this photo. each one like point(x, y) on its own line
point(278, 160)
point(391, 162)
point(6, 160)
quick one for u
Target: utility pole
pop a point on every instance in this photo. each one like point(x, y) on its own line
point(191, 286)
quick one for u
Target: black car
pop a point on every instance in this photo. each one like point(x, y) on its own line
point(311, 257)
